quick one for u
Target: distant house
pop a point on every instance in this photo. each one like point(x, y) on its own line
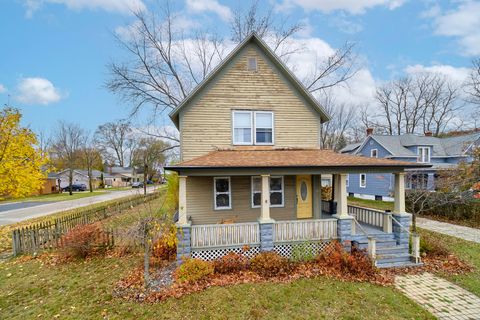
point(442, 153)
point(79, 177)
point(121, 176)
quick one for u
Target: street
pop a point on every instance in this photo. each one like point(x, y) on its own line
point(19, 211)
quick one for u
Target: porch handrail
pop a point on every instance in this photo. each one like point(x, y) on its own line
point(224, 235)
point(361, 228)
point(367, 215)
point(305, 230)
point(401, 226)
point(414, 237)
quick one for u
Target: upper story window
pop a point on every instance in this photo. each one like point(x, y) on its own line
point(423, 154)
point(252, 64)
point(253, 127)
point(374, 153)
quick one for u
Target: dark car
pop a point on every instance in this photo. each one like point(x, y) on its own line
point(76, 187)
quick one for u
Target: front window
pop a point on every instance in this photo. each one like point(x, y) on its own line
point(374, 153)
point(222, 193)
point(263, 127)
point(423, 154)
point(363, 180)
point(276, 191)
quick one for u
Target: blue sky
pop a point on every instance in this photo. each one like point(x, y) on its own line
point(54, 53)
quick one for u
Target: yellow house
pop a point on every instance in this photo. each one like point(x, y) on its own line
point(251, 166)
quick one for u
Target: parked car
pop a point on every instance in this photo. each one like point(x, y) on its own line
point(76, 187)
point(137, 185)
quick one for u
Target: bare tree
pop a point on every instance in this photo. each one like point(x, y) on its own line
point(91, 158)
point(473, 83)
point(116, 141)
point(165, 65)
point(67, 145)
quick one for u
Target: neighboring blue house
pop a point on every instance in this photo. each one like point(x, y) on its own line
point(442, 153)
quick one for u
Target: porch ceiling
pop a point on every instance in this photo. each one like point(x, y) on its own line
point(292, 161)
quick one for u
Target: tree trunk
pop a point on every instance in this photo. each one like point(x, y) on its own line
point(145, 179)
point(90, 185)
point(146, 258)
point(70, 181)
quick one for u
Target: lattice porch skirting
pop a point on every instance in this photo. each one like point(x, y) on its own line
point(213, 254)
point(285, 248)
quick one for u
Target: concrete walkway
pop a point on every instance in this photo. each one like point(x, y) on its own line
point(466, 233)
point(17, 215)
point(440, 297)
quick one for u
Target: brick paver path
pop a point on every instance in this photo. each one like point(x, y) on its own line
point(440, 297)
point(466, 233)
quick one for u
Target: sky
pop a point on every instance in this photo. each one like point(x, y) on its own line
point(54, 53)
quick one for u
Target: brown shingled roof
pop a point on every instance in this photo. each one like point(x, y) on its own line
point(255, 158)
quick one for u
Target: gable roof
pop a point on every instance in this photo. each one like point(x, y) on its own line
point(253, 38)
point(441, 147)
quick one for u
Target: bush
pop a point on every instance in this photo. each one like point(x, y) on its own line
point(355, 263)
point(171, 198)
point(230, 263)
point(83, 241)
point(192, 270)
point(269, 264)
point(327, 193)
point(431, 246)
point(303, 253)
point(165, 247)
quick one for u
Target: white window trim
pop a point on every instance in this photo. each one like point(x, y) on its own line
point(360, 180)
point(376, 153)
point(252, 192)
point(347, 180)
point(255, 128)
point(251, 128)
point(419, 158)
point(215, 193)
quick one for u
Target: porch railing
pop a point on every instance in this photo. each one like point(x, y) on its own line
point(298, 230)
point(223, 235)
point(369, 216)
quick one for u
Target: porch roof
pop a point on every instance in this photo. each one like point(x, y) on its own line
point(290, 158)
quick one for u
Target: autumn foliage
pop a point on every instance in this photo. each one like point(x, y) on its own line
point(165, 247)
point(21, 161)
point(192, 270)
point(231, 262)
point(82, 241)
point(269, 264)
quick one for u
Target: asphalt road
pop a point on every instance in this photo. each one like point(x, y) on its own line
point(19, 211)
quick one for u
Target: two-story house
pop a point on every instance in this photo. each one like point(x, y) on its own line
point(441, 153)
point(251, 166)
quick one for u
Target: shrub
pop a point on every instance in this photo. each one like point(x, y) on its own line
point(192, 270)
point(83, 241)
point(431, 246)
point(171, 198)
point(355, 263)
point(269, 264)
point(232, 262)
point(302, 253)
point(165, 247)
point(327, 193)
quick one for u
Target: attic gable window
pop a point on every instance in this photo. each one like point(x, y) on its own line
point(423, 154)
point(374, 153)
point(252, 64)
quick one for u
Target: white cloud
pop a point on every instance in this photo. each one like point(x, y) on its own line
point(37, 91)
point(462, 23)
point(3, 89)
point(350, 6)
point(214, 6)
point(456, 74)
point(120, 6)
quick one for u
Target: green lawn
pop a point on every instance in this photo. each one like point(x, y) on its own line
point(467, 251)
point(57, 196)
point(374, 204)
point(83, 291)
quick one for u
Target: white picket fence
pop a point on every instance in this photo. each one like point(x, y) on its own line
point(305, 230)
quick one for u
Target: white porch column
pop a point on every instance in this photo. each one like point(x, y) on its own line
point(341, 195)
point(399, 193)
point(265, 207)
point(182, 200)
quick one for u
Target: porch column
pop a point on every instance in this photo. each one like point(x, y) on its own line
point(345, 223)
point(399, 193)
point(266, 223)
point(182, 200)
point(183, 226)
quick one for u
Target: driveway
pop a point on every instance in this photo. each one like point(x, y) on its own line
point(16, 212)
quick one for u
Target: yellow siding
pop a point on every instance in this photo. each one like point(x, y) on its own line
point(200, 201)
point(206, 123)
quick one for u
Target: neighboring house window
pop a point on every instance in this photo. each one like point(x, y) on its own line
point(363, 180)
point(242, 127)
point(249, 123)
point(276, 191)
point(252, 64)
point(374, 153)
point(417, 181)
point(423, 154)
point(348, 180)
point(263, 127)
point(222, 193)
